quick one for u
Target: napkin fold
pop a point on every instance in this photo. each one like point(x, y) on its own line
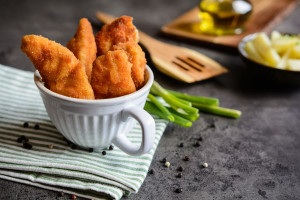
point(61, 168)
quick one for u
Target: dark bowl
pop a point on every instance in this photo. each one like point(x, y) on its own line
point(268, 73)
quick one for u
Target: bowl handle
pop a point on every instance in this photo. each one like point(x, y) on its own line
point(148, 132)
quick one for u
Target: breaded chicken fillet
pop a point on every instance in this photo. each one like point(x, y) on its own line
point(83, 45)
point(121, 30)
point(136, 56)
point(111, 76)
point(61, 71)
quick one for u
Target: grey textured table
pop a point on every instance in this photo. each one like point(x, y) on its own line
point(254, 157)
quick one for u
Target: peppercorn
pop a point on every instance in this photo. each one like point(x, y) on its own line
point(178, 190)
point(91, 150)
point(197, 144)
point(181, 145)
point(180, 169)
point(19, 139)
point(27, 145)
point(187, 158)
point(111, 147)
point(25, 125)
point(22, 138)
point(179, 175)
point(104, 153)
point(37, 127)
point(164, 160)
point(200, 138)
point(167, 164)
point(151, 171)
point(205, 165)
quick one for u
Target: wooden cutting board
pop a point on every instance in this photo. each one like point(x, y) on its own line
point(266, 14)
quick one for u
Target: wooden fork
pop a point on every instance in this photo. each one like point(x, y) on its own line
point(180, 63)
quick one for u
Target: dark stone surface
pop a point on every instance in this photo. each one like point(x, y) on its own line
point(254, 157)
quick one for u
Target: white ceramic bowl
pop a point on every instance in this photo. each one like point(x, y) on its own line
point(98, 123)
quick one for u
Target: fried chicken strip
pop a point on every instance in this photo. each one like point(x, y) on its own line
point(83, 45)
point(136, 56)
point(121, 30)
point(61, 71)
point(111, 76)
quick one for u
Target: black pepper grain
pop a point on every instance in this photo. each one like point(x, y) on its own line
point(27, 145)
point(200, 138)
point(178, 190)
point(180, 169)
point(187, 158)
point(91, 150)
point(197, 144)
point(164, 160)
point(25, 125)
point(151, 171)
point(181, 145)
point(111, 147)
point(36, 127)
point(104, 153)
point(179, 175)
point(19, 140)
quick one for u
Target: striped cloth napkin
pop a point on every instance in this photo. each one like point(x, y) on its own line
point(62, 168)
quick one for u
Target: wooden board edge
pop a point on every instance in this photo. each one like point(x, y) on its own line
point(279, 18)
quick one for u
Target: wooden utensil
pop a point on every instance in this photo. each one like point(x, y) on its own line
point(180, 63)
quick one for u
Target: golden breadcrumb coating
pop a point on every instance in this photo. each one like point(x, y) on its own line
point(61, 71)
point(121, 30)
point(136, 56)
point(83, 45)
point(111, 76)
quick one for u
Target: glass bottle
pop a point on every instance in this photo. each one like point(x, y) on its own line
point(224, 17)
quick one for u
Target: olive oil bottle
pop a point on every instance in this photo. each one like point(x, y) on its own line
point(224, 17)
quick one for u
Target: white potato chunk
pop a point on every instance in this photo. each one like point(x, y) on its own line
point(253, 54)
point(263, 44)
point(275, 35)
point(293, 64)
point(295, 52)
point(283, 44)
point(280, 51)
point(283, 61)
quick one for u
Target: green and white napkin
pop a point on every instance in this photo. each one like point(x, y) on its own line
point(62, 168)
